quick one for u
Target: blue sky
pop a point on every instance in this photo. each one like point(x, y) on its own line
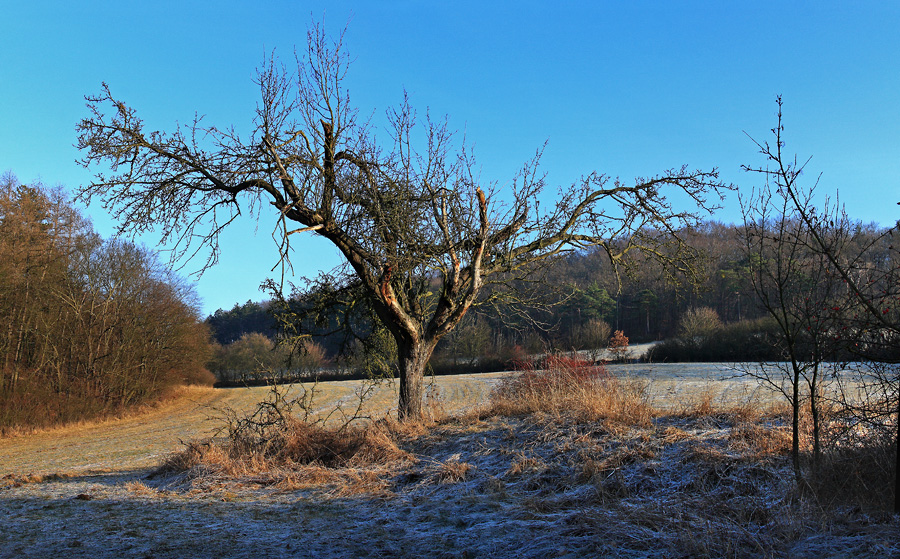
point(624, 88)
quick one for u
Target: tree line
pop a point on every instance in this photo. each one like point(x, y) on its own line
point(90, 326)
point(583, 301)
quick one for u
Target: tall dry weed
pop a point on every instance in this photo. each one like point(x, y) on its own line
point(562, 384)
point(297, 444)
point(858, 476)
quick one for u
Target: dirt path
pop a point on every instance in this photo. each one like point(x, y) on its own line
point(131, 443)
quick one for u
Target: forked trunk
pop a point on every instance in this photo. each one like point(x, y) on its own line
point(413, 359)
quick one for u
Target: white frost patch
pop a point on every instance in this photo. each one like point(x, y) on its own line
point(533, 488)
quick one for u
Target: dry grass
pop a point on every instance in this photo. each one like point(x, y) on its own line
point(166, 400)
point(330, 482)
point(701, 403)
point(577, 474)
point(760, 440)
point(572, 386)
point(453, 470)
point(859, 474)
point(854, 472)
point(11, 480)
point(280, 435)
point(525, 465)
point(333, 462)
point(141, 489)
point(297, 444)
point(571, 453)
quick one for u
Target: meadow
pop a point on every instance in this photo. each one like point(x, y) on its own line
point(666, 462)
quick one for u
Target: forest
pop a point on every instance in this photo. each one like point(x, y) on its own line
point(90, 326)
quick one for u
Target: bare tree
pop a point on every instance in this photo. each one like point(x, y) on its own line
point(851, 293)
point(697, 324)
point(797, 288)
point(39, 232)
point(417, 229)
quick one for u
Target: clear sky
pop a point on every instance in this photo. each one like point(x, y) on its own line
point(624, 88)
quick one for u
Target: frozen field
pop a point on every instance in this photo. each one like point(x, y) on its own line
point(141, 441)
point(505, 487)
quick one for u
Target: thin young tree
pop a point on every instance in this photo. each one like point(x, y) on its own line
point(858, 271)
point(418, 230)
point(797, 288)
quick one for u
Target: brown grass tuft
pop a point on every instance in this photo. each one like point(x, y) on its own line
point(137, 487)
point(760, 440)
point(525, 465)
point(453, 470)
point(702, 403)
point(334, 482)
point(299, 444)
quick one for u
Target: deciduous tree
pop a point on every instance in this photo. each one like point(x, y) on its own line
point(420, 232)
point(834, 287)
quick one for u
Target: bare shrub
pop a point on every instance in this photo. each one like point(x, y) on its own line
point(697, 323)
point(592, 336)
point(618, 346)
point(283, 432)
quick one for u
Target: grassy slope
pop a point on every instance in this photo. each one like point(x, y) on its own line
point(141, 440)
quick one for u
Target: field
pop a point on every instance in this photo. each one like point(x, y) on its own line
point(677, 483)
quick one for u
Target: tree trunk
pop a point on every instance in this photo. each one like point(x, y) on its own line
point(897, 467)
point(413, 359)
point(814, 411)
point(795, 424)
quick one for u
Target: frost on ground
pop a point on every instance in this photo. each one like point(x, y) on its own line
point(540, 485)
